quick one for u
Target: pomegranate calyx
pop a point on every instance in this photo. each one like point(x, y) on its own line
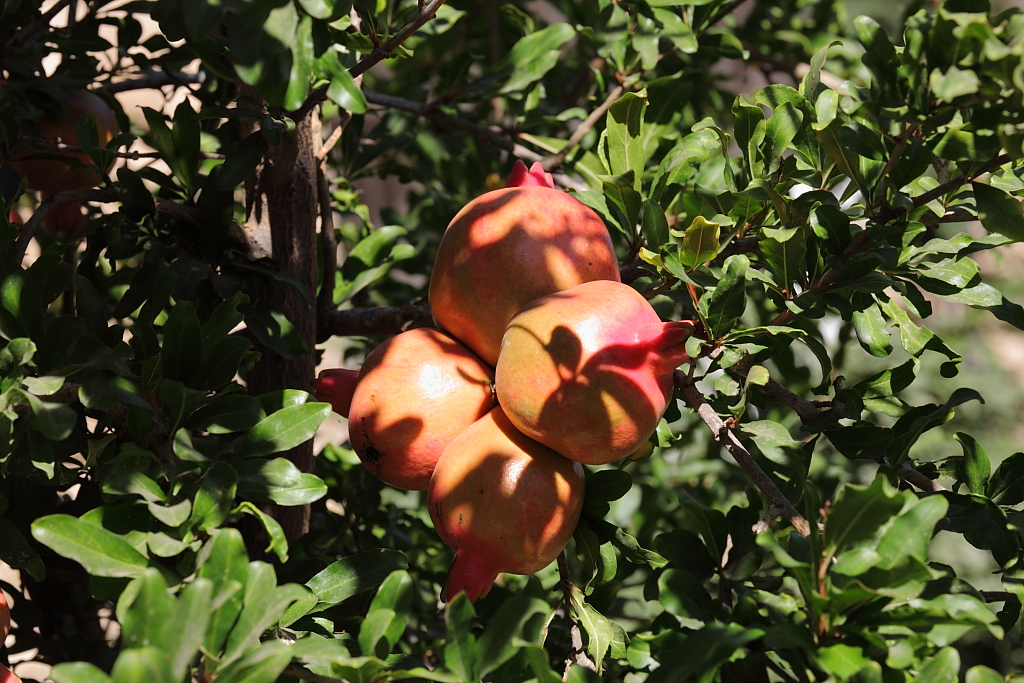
point(470, 573)
point(669, 348)
point(336, 386)
point(535, 177)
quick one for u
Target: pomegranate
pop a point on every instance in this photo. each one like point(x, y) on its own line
point(5, 617)
point(336, 386)
point(504, 502)
point(588, 371)
point(415, 393)
point(7, 676)
point(50, 176)
point(508, 247)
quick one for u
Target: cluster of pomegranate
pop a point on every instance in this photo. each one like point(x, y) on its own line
point(546, 361)
point(6, 675)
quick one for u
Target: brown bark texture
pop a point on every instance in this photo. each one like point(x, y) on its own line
point(281, 212)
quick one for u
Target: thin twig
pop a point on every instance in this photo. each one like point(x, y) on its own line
point(1000, 596)
point(154, 79)
point(425, 14)
point(489, 135)
point(34, 26)
point(953, 184)
point(778, 504)
point(188, 214)
point(61, 147)
point(332, 140)
point(555, 160)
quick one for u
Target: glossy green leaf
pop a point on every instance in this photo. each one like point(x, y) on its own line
point(976, 467)
point(101, 552)
point(700, 243)
point(242, 160)
point(354, 575)
point(1006, 485)
point(285, 429)
point(999, 212)
point(461, 653)
point(625, 130)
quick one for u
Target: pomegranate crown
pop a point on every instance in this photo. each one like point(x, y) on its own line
point(536, 176)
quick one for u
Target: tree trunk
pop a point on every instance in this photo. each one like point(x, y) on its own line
point(281, 212)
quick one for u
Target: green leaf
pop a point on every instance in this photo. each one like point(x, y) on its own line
point(343, 90)
point(141, 664)
point(976, 674)
point(461, 654)
point(278, 481)
point(373, 629)
point(684, 595)
point(860, 442)
point(101, 552)
point(242, 160)
point(700, 243)
point(975, 468)
point(497, 644)
point(1006, 485)
point(278, 542)
point(625, 131)
point(654, 224)
point(774, 442)
point(55, 420)
point(859, 512)
point(183, 342)
point(785, 256)
point(910, 533)
point(264, 604)
point(780, 131)
point(301, 47)
point(354, 575)
point(726, 303)
point(193, 609)
point(601, 631)
point(224, 561)
point(842, 660)
point(285, 429)
point(148, 613)
point(999, 212)
point(868, 323)
point(533, 56)
point(943, 668)
point(685, 550)
point(607, 485)
point(953, 84)
point(17, 553)
point(78, 672)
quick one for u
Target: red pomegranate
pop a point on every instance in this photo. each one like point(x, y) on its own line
point(414, 394)
point(50, 176)
point(588, 371)
point(504, 502)
point(7, 676)
point(508, 247)
point(5, 617)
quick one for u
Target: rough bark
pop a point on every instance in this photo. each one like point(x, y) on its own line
point(281, 205)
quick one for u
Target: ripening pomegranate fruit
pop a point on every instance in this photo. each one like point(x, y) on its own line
point(5, 618)
point(414, 394)
point(588, 371)
point(504, 502)
point(336, 386)
point(50, 176)
point(508, 247)
point(7, 676)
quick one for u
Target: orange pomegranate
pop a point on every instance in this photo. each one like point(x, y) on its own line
point(588, 371)
point(414, 394)
point(50, 176)
point(508, 247)
point(504, 502)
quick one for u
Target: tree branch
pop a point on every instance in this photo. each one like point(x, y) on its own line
point(380, 320)
point(38, 24)
point(555, 160)
point(425, 14)
point(181, 212)
point(155, 79)
point(484, 133)
point(61, 147)
point(778, 505)
point(949, 186)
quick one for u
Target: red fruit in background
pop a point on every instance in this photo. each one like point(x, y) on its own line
point(588, 371)
point(504, 502)
point(336, 386)
point(508, 247)
point(415, 393)
point(7, 676)
point(50, 176)
point(5, 617)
